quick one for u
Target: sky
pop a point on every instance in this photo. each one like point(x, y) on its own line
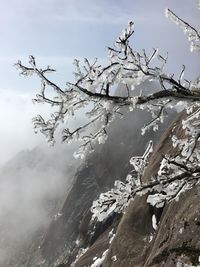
point(57, 31)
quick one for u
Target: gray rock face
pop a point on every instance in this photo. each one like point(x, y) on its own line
point(33, 185)
point(177, 238)
point(57, 243)
point(108, 163)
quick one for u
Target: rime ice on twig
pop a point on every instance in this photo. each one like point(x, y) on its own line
point(176, 175)
point(116, 200)
point(94, 90)
point(94, 93)
point(191, 32)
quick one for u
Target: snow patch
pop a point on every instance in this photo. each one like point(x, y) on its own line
point(181, 230)
point(114, 258)
point(99, 261)
point(154, 222)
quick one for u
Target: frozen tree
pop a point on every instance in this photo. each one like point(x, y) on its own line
point(94, 94)
point(94, 90)
point(116, 200)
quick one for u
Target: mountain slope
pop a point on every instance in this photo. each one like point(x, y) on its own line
point(136, 243)
point(64, 228)
point(109, 162)
point(33, 186)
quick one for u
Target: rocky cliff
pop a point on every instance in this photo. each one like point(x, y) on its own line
point(71, 240)
point(176, 241)
point(33, 186)
point(64, 229)
point(71, 232)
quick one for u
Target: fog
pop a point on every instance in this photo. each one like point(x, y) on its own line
point(16, 112)
point(34, 178)
point(33, 186)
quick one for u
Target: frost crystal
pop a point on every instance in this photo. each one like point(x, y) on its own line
point(93, 94)
point(192, 33)
point(117, 199)
point(98, 261)
point(180, 263)
point(154, 222)
point(111, 236)
point(114, 258)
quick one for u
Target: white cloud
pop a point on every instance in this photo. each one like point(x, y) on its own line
point(89, 11)
point(16, 112)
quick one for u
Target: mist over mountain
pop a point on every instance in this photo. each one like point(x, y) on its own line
point(37, 184)
point(33, 186)
point(150, 218)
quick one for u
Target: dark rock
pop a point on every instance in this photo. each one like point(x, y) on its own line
point(178, 234)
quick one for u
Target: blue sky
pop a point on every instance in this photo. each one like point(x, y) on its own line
point(56, 31)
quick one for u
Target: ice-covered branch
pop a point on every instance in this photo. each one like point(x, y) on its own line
point(172, 180)
point(94, 90)
point(177, 173)
point(190, 31)
point(116, 200)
